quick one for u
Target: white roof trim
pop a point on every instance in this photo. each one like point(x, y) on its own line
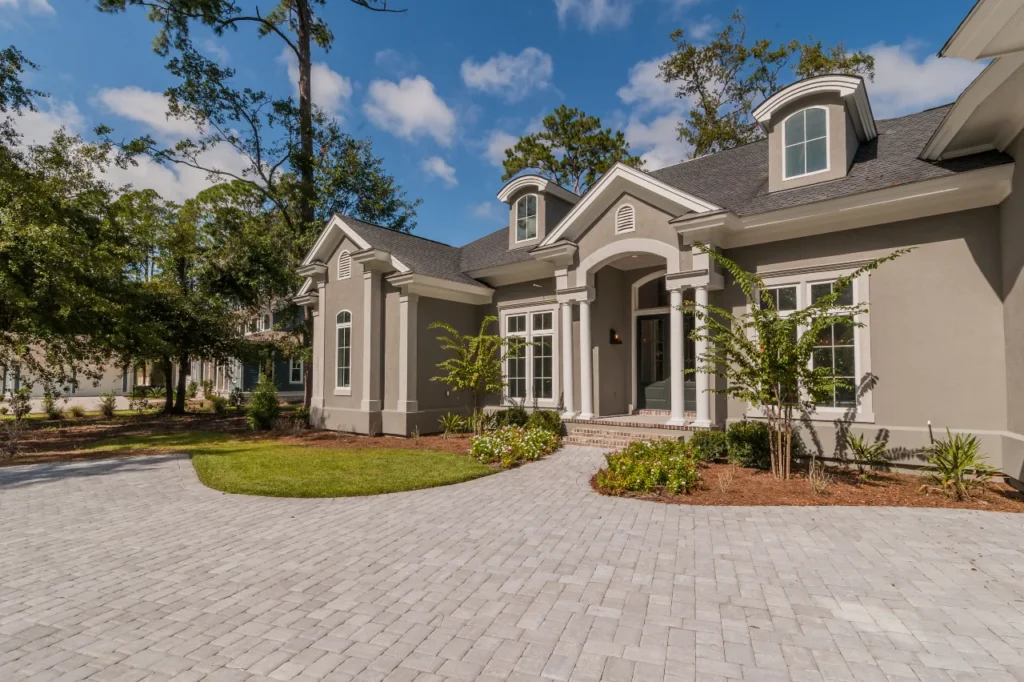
point(435, 287)
point(541, 183)
point(851, 88)
point(981, 27)
point(346, 229)
point(632, 175)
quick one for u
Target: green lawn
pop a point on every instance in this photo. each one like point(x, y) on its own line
point(266, 467)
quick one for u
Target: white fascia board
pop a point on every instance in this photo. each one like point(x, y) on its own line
point(523, 271)
point(435, 287)
point(850, 88)
point(335, 222)
point(541, 184)
point(980, 27)
point(620, 171)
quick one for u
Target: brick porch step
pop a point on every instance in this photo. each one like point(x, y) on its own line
point(613, 438)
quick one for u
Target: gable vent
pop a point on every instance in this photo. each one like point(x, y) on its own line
point(625, 219)
point(344, 265)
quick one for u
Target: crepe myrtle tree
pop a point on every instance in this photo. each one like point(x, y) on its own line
point(477, 361)
point(767, 358)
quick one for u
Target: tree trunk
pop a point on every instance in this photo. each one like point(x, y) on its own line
point(179, 396)
point(168, 368)
point(307, 185)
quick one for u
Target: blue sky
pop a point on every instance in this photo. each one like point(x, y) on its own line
point(444, 87)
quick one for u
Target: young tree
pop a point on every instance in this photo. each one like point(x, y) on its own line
point(572, 150)
point(725, 79)
point(767, 359)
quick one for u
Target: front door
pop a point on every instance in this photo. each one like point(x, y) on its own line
point(652, 363)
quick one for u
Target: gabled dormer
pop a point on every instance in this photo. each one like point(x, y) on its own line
point(814, 129)
point(536, 205)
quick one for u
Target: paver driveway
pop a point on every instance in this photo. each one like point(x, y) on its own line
point(130, 569)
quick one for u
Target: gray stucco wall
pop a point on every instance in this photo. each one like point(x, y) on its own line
point(1012, 236)
point(434, 396)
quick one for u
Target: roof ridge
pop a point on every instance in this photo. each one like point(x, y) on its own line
point(406, 234)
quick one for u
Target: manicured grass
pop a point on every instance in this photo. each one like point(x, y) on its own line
point(271, 468)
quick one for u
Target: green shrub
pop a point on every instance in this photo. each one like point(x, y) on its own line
point(220, 404)
point(545, 419)
point(301, 415)
point(264, 407)
point(207, 388)
point(958, 465)
point(513, 445)
point(76, 411)
point(158, 392)
point(749, 444)
point(451, 424)
point(139, 400)
point(649, 466)
point(237, 397)
point(513, 416)
point(869, 455)
point(51, 406)
point(108, 402)
point(708, 446)
point(192, 391)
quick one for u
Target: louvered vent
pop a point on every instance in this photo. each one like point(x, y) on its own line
point(344, 265)
point(625, 220)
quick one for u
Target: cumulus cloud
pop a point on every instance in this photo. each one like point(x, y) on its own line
point(330, 90)
point(645, 89)
point(483, 210)
point(510, 76)
point(654, 116)
point(38, 7)
point(394, 61)
point(436, 167)
point(658, 140)
point(904, 84)
point(497, 142)
point(37, 127)
point(146, 107)
point(593, 15)
point(410, 109)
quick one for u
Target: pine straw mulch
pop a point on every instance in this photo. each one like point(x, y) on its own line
point(729, 485)
point(66, 440)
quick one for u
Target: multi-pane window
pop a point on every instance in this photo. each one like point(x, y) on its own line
point(784, 298)
point(515, 366)
point(835, 349)
point(530, 368)
point(526, 218)
point(543, 358)
point(806, 142)
point(344, 354)
point(818, 291)
point(295, 368)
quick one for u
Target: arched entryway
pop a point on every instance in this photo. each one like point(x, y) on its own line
point(651, 348)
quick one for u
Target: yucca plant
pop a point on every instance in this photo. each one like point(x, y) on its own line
point(452, 423)
point(958, 464)
point(869, 455)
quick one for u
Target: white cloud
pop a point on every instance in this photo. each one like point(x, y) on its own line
point(394, 61)
point(596, 14)
point(40, 7)
point(658, 140)
point(37, 127)
point(512, 77)
point(219, 52)
point(146, 107)
point(436, 167)
point(330, 90)
point(497, 143)
point(410, 109)
point(904, 85)
point(646, 90)
point(483, 210)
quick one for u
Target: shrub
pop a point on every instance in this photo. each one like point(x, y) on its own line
point(451, 424)
point(138, 402)
point(264, 408)
point(76, 411)
point(513, 445)
point(158, 392)
point(301, 416)
point(108, 402)
point(707, 446)
point(237, 397)
point(192, 391)
point(51, 406)
point(958, 465)
point(749, 444)
point(648, 466)
point(545, 419)
point(871, 456)
point(207, 388)
point(513, 416)
point(19, 405)
point(220, 404)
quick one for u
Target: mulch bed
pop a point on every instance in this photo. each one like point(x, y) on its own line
point(728, 485)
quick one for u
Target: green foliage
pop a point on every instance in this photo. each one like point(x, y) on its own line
point(220, 404)
point(511, 446)
point(19, 406)
point(301, 416)
point(513, 416)
point(264, 408)
point(52, 404)
point(869, 455)
point(138, 401)
point(650, 466)
point(76, 411)
point(545, 419)
point(108, 403)
point(709, 446)
point(451, 424)
point(727, 77)
point(207, 388)
point(959, 466)
point(193, 390)
point(749, 444)
point(157, 392)
point(236, 398)
point(572, 150)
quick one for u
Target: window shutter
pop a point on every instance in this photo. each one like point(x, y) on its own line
point(625, 219)
point(344, 265)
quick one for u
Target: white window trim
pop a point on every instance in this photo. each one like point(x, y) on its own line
point(344, 254)
point(302, 371)
point(515, 219)
point(828, 145)
point(547, 403)
point(632, 224)
point(864, 412)
point(343, 390)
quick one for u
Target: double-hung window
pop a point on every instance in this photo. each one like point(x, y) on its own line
point(530, 365)
point(295, 371)
point(526, 218)
point(836, 350)
point(343, 383)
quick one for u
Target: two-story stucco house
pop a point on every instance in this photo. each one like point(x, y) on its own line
point(596, 282)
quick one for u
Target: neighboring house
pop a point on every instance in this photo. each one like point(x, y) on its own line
point(112, 379)
point(596, 282)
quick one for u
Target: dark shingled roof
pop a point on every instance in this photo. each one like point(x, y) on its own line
point(491, 251)
point(737, 179)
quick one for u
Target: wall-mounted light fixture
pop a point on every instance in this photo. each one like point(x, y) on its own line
point(614, 338)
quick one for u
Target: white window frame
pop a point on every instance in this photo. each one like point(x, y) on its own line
point(338, 326)
point(863, 413)
point(785, 145)
point(515, 219)
point(302, 370)
point(528, 401)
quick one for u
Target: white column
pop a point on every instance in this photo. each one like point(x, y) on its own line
point(676, 355)
point(568, 388)
point(586, 363)
point(371, 341)
point(703, 380)
point(320, 339)
point(408, 305)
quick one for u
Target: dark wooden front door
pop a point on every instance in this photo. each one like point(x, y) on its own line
point(652, 363)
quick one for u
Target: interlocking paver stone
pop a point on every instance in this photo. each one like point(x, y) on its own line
point(129, 569)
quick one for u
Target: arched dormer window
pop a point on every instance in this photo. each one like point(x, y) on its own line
point(344, 265)
point(526, 218)
point(805, 142)
point(344, 351)
point(625, 219)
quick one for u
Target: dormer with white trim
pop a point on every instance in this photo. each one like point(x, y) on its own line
point(536, 205)
point(814, 129)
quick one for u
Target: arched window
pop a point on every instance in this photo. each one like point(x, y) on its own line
point(805, 142)
point(625, 219)
point(344, 265)
point(344, 350)
point(526, 218)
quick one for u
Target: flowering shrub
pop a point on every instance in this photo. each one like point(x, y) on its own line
point(648, 466)
point(512, 445)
